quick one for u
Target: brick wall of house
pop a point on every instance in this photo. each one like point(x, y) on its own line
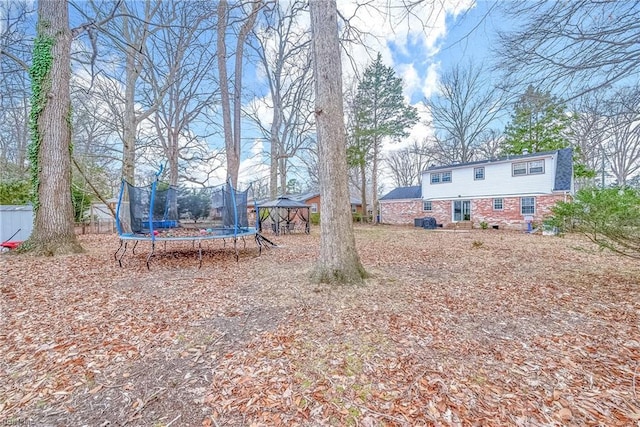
point(314, 200)
point(400, 212)
point(440, 210)
point(511, 217)
point(404, 212)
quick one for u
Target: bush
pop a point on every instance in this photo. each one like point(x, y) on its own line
point(315, 218)
point(609, 217)
point(81, 203)
point(15, 192)
point(484, 225)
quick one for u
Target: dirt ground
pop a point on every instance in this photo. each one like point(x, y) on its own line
point(480, 328)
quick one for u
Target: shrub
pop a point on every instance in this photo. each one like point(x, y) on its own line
point(484, 225)
point(15, 192)
point(315, 218)
point(609, 217)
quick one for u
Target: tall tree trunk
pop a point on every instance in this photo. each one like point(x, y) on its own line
point(283, 174)
point(374, 183)
point(363, 192)
point(338, 261)
point(232, 135)
point(129, 119)
point(275, 152)
point(53, 230)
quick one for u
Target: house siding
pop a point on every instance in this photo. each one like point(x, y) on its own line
point(498, 179)
point(401, 212)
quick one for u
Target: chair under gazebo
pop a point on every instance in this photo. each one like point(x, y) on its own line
point(285, 215)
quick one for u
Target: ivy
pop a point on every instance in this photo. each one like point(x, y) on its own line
point(40, 85)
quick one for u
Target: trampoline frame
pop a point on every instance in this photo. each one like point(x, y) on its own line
point(137, 238)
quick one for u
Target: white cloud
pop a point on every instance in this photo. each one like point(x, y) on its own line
point(254, 166)
point(430, 82)
point(396, 31)
point(410, 78)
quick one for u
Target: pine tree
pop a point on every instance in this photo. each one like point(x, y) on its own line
point(380, 114)
point(539, 123)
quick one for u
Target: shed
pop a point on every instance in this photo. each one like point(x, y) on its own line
point(15, 219)
point(284, 215)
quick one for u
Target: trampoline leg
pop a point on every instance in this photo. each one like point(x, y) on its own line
point(235, 247)
point(259, 243)
point(133, 250)
point(199, 254)
point(153, 249)
point(122, 254)
point(244, 241)
point(115, 256)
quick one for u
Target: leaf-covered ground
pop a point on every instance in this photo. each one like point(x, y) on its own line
point(486, 328)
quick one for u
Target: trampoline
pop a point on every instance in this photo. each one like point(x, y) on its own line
point(160, 213)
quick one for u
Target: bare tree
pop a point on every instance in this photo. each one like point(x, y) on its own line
point(408, 163)
point(284, 51)
point(578, 45)
point(338, 260)
point(15, 52)
point(231, 115)
point(490, 144)
point(588, 133)
point(177, 71)
point(623, 145)
point(464, 108)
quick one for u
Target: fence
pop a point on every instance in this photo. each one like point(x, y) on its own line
point(96, 226)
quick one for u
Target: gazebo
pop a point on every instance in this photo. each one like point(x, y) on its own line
point(284, 215)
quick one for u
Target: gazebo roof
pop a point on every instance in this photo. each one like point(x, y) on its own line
point(283, 202)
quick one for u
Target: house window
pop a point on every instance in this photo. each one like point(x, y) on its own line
point(440, 177)
point(536, 167)
point(527, 205)
point(314, 208)
point(519, 169)
point(498, 204)
point(478, 173)
point(426, 206)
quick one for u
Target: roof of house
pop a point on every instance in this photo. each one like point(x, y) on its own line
point(564, 170)
point(311, 194)
point(413, 192)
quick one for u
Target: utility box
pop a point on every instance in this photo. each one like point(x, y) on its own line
point(16, 222)
point(429, 223)
point(418, 222)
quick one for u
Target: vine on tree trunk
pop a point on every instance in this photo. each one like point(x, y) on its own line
point(40, 85)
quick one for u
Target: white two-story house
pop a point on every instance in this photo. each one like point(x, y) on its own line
point(503, 193)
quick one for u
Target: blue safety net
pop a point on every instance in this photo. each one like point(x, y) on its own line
point(160, 207)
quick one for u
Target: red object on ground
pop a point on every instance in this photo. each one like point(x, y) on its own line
point(10, 245)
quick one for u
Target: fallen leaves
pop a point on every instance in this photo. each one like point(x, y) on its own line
point(526, 332)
